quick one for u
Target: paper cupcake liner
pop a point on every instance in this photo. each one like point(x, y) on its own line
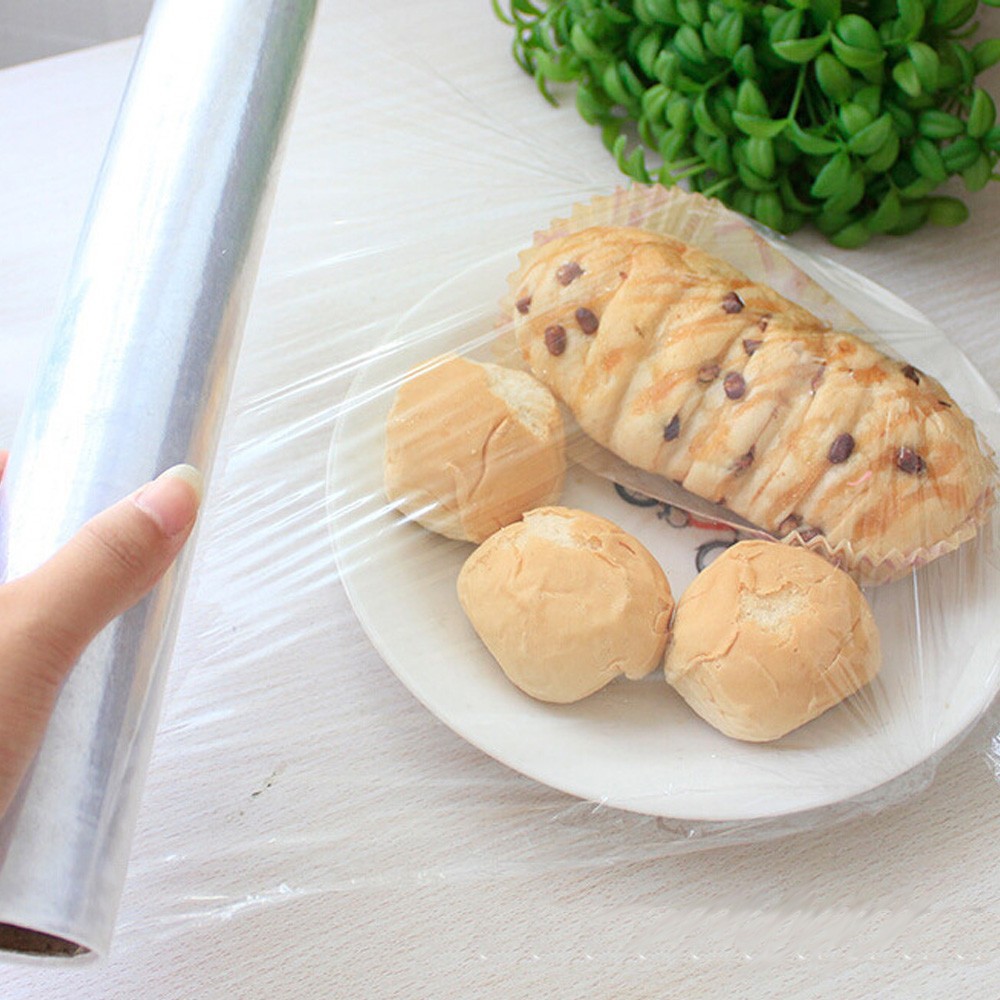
point(715, 229)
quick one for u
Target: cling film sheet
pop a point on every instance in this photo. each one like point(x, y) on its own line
point(326, 655)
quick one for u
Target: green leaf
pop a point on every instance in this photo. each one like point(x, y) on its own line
point(558, 69)
point(919, 188)
point(800, 50)
point(743, 200)
point(583, 45)
point(907, 78)
point(905, 123)
point(791, 199)
point(785, 27)
point(825, 11)
point(888, 213)
point(857, 32)
point(940, 125)
point(760, 156)
point(752, 180)
point(654, 100)
point(745, 63)
point(703, 118)
point(853, 118)
point(947, 211)
point(927, 64)
point(982, 114)
point(961, 154)
point(986, 54)
point(750, 100)
point(731, 34)
point(911, 217)
point(809, 142)
point(672, 144)
point(691, 11)
point(832, 177)
point(852, 236)
point(911, 16)
point(767, 209)
point(928, 162)
point(871, 138)
point(848, 194)
point(883, 159)
point(855, 57)
point(977, 176)
point(719, 158)
point(667, 67)
point(647, 51)
point(870, 98)
point(687, 44)
point(614, 87)
point(657, 12)
point(678, 112)
point(758, 126)
point(592, 108)
point(633, 165)
point(833, 77)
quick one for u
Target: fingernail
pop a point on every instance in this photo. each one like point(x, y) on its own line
point(172, 499)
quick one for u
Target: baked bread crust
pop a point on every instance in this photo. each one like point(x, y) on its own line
point(683, 367)
point(566, 601)
point(470, 447)
point(797, 638)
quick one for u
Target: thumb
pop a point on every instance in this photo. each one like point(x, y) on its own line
point(48, 617)
point(108, 566)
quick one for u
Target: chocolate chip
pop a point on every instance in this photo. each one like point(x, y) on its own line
point(732, 303)
point(555, 339)
point(735, 385)
point(817, 378)
point(523, 305)
point(744, 461)
point(907, 460)
point(587, 320)
point(840, 450)
point(708, 373)
point(751, 345)
point(789, 524)
point(568, 273)
point(912, 374)
point(763, 321)
point(808, 534)
point(673, 429)
point(946, 405)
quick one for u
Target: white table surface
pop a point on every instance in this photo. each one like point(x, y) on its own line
point(307, 829)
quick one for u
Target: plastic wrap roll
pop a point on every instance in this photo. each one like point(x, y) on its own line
point(135, 380)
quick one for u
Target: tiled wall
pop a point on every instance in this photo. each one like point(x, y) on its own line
point(33, 29)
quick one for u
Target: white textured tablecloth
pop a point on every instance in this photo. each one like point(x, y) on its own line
point(308, 830)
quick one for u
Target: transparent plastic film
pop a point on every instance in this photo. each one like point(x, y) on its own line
point(636, 744)
point(341, 735)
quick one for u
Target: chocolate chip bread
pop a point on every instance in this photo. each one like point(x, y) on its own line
point(683, 367)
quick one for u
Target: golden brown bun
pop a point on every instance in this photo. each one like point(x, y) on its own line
point(769, 637)
point(566, 601)
point(683, 367)
point(470, 447)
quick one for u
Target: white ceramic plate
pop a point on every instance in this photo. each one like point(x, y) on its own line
point(636, 745)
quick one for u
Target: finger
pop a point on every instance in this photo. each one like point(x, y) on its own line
point(109, 565)
point(48, 617)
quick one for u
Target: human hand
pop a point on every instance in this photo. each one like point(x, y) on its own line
point(48, 617)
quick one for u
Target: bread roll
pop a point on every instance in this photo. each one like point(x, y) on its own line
point(566, 601)
point(683, 367)
point(470, 447)
point(769, 637)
